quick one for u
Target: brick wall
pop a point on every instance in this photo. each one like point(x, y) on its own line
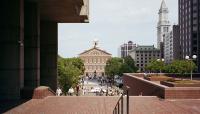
point(140, 86)
point(182, 93)
point(195, 75)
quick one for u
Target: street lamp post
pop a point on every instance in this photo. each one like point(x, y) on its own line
point(191, 59)
point(162, 61)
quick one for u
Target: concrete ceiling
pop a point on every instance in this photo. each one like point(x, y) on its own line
point(63, 11)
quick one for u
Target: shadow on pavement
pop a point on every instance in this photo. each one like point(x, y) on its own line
point(6, 105)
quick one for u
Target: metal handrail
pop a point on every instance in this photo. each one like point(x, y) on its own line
point(117, 109)
point(51, 91)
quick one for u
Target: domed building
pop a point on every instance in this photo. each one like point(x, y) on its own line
point(95, 60)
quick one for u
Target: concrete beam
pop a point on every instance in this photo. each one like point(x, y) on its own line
point(64, 11)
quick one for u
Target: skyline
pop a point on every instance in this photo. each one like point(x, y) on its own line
point(117, 23)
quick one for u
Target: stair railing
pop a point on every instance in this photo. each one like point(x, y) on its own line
point(119, 107)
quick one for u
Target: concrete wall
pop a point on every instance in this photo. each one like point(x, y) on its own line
point(48, 56)
point(20, 45)
point(31, 45)
point(11, 65)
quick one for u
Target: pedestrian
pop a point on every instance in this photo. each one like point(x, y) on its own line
point(71, 91)
point(145, 74)
point(83, 91)
point(77, 90)
point(101, 92)
point(58, 92)
point(86, 79)
point(86, 90)
point(82, 81)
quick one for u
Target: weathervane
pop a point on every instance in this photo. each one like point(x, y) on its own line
point(95, 42)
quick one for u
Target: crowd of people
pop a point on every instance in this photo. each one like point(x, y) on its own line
point(104, 89)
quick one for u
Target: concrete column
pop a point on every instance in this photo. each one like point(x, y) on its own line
point(11, 49)
point(31, 46)
point(48, 55)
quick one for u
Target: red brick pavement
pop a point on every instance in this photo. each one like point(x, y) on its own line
point(154, 105)
point(105, 105)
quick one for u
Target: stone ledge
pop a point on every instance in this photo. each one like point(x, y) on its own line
point(171, 84)
point(146, 81)
point(42, 92)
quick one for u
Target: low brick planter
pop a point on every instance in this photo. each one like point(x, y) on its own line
point(139, 86)
point(171, 84)
point(157, 78)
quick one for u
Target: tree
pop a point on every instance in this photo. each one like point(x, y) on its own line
point(77, 62)
point(125, 68)
point(181, 66)
point(68, 77)
point(113, 66)
point(69, 71)
point(128, 66)
point(155, 66)
point(118, 66)
point(131, 63)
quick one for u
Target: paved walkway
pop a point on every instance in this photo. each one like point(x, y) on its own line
point(90, 85)
point(105, 105)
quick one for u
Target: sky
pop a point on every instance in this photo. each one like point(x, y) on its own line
point(114, 22)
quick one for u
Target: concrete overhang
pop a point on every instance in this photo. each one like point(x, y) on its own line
point(64, 11)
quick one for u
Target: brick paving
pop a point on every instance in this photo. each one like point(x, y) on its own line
point(67, 105)
point(154, 105)
point(105, 105)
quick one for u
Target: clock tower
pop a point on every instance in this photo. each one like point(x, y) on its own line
point(163, 23)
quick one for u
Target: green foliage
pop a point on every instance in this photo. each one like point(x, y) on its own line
point(77, 62)
point(69, 71)
point(131, 63)
point(113, 66)
point(178, 66)
point(155, 66)
point(118, 66)
point(128, 66)
point(125, 68)
point(181, 66)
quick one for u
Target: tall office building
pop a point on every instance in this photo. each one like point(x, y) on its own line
point(189, 21)
point(163, 24)
point(172, 45)
point(125, 49)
